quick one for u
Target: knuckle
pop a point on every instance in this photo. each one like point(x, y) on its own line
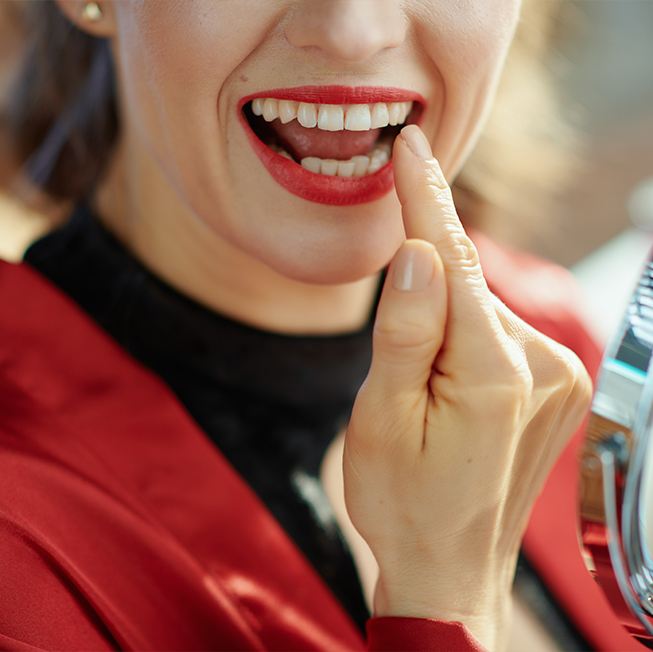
point(553, 363)
point(573, 392)
point(583, 393)
point(568, 367)
point(453, 243)
point(458, 245)
point(581, 385)
point(568, 377)
point(435, 179)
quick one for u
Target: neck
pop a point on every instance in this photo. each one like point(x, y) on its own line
point(140, 207)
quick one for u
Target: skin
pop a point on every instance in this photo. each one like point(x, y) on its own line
point(464, 401)
point(184, 199)
point(189, 197)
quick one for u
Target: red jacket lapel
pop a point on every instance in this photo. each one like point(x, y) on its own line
point(88, 418)
point(139, 495)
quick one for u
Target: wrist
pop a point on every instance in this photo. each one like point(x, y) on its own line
point(479, 600)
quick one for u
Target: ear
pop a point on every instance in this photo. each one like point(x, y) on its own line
point(102, 27)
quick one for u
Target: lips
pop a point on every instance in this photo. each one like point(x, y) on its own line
point(325, 189)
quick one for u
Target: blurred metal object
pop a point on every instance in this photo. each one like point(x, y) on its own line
point(616, 469)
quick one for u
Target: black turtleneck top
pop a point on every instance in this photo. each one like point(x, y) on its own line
point(271, 402)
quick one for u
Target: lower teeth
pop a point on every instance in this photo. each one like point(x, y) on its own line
point(356, 166)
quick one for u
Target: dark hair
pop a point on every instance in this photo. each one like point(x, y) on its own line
point(62, 114)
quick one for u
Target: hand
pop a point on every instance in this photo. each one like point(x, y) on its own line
point(462, 414)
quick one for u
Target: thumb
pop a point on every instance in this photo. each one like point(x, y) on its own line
point(410, 322)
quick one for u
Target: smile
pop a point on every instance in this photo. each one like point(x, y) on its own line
point(329, 144)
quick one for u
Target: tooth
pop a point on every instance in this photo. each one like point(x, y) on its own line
point(283, 152)
point(382, 148)
point(257, 106)
point(287, 111)
point(357, 166)
point(379, 115)
point(361, 163)
point(306, 115)
point(346, 168)
point(386, 148)
point(357, 117)
point(312, 164)
point(377, 160)
point(333, 117)
point(329, 166)
point(403, 112)
point(330, 117)
point(270, 109)
point(408, 107)
point(394, 113)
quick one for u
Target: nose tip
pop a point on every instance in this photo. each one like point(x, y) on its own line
point(350, 43)
point(346, 30)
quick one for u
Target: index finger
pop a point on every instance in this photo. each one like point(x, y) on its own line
point(429, 213)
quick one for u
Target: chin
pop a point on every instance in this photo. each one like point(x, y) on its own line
point(334, 261)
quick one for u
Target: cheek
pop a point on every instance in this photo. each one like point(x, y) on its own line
point(468, 39)
point(465, 42)
point(174, 59)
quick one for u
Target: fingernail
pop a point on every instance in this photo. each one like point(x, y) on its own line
point(416, 140)
point(413, 268)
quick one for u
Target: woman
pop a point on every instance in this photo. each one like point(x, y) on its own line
point(200, 450)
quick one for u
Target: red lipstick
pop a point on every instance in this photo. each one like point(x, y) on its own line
point(320, 188)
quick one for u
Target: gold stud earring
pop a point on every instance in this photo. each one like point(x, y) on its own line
point(92, 12)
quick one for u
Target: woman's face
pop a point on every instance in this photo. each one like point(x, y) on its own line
point(185, 65)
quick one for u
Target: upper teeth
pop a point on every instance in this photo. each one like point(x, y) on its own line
point(333, 117)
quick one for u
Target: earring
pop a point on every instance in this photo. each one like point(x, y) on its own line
point(92, 12)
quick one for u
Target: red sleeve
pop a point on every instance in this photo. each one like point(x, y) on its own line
point(38, 609)
point(399, 633)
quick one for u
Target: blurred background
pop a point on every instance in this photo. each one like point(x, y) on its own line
point(604, 66)
point(601, 66)
point(604, 71)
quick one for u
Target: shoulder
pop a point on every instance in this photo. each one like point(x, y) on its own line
point(542, 293)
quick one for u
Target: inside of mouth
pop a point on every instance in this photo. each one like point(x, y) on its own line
point(266, 133)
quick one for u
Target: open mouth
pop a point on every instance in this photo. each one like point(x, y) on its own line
point(350, 140)
point(329, 144)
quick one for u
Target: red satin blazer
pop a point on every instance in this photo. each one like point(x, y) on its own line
point(123, 527)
